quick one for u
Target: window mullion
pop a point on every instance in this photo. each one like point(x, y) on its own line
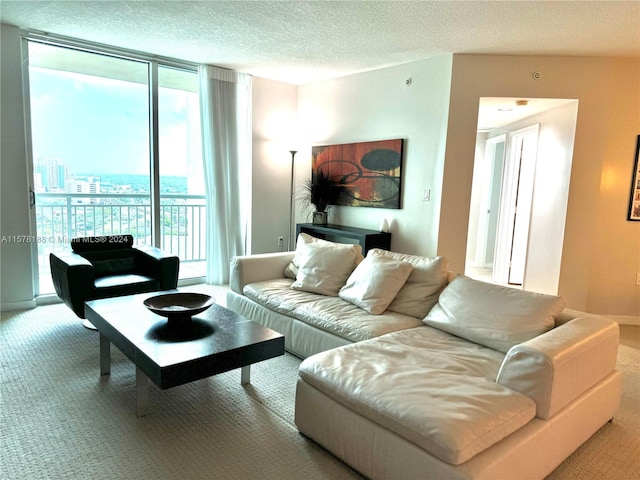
point(154, 151)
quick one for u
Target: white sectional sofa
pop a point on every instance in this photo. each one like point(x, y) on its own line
point(490, 382)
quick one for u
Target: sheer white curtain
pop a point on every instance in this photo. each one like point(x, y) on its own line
point(225, 108)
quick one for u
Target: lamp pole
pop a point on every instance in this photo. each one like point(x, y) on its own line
point(293, 156)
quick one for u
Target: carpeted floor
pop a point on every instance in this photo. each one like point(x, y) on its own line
point(61, 420)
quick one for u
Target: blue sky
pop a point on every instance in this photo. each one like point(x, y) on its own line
point(98, 125)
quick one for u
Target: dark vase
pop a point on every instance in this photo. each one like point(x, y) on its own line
point(319, 218)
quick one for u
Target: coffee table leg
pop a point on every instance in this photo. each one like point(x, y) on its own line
point(142, 392)
point(245, 375)
point(105, 355)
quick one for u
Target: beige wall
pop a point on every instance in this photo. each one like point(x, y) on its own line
point(601, 249)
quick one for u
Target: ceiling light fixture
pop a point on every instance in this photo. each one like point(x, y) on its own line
point(522, 103)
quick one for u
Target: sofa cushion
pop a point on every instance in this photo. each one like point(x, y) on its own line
point(492, 315)
point(375, 283)
point(329, 314)
point(420, 292)
point(323, 268)
point(291, 270)
point(429, 387)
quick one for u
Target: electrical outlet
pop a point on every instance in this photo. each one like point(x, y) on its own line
point(280, 240)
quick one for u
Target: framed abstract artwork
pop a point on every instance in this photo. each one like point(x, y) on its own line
point(369, 174)
point(634, 199)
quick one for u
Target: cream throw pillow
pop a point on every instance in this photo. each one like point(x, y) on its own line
point(427, 279)
point(323, 269)
point(492, 315)
point(291, 270)
point(375, 282)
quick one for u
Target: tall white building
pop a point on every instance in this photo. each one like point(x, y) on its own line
point(84, 185)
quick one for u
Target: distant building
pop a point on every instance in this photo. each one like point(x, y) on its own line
point(84, 185)
point(50, 175)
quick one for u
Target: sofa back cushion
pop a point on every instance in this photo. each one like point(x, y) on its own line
point(492, 315)
point(375, 283)
point(420, 292)
point(323, 267)
point(304, 239)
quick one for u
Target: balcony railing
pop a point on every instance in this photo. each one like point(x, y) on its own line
point(63, 216)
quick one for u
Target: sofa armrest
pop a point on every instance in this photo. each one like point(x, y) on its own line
point(561, 364)
point(256, 268)
point(73, 279)
point(160, 265)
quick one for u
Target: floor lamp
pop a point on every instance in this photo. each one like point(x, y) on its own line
point(289, 242)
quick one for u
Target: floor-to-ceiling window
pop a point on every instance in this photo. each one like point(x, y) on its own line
point(181, 178)
point(115, 145)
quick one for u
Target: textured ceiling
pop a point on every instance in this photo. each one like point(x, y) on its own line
point(300, 42)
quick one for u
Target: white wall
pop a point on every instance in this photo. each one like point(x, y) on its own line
point(378, 105)
point(480, 165)
point(16, 286)
point(601, 249)
point(550, 198)
point(274, 134)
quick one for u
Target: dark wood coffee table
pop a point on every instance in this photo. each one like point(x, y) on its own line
point(216, 341)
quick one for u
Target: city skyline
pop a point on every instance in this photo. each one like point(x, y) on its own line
point(51, 175)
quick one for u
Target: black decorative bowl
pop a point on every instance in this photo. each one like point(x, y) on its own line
point(179, 306)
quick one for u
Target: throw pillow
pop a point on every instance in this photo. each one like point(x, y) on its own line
point(375, 282)
point(291, 270)
point(427, 279)
point(323, 269)
point(492, 315)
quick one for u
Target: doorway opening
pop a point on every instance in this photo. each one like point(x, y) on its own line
point(524, 150)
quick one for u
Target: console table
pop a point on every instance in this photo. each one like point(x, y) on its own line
point(367, 239)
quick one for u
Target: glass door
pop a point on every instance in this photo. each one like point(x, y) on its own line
point(94, 170)
point(182, 195)
point(90, 148)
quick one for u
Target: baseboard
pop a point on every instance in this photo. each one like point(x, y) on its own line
point(49, 299)
point(625, 320)
point(26, 305)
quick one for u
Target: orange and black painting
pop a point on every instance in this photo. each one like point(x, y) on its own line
point(368, 173)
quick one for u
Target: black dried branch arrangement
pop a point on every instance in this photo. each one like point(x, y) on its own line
point(321, 191)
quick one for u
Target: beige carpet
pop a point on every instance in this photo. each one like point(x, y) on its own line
point(60, 420)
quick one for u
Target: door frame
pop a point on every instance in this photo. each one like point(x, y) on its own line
point(511, 190)
point(484, 204)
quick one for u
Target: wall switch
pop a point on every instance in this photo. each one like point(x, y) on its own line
point(427, 195)
point(280, 240)
point(638, 278)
